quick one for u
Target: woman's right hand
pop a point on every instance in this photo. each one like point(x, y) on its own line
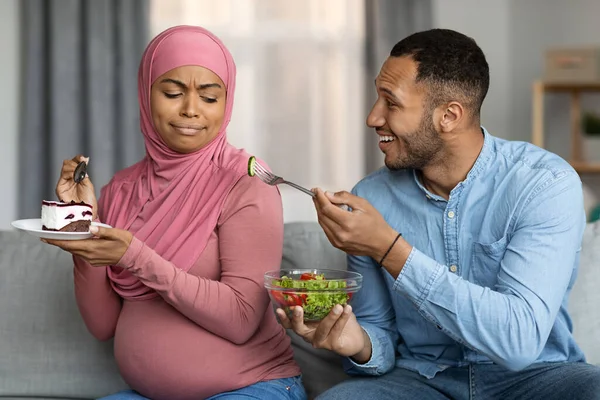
point(67, 190)
point(339, 332)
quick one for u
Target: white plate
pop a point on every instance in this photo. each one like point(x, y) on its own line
point(34, 227)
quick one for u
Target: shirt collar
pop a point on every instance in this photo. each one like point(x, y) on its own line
point(480, 164)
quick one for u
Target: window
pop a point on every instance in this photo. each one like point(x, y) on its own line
point(300, 85)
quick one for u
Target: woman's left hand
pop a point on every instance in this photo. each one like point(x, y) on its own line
point(106, 248)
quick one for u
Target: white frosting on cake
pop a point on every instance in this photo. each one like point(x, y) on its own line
point(57, 215)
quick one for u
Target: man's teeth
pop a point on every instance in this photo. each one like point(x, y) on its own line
point(386, 138)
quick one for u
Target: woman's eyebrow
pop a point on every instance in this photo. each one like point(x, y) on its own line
point(184, 86)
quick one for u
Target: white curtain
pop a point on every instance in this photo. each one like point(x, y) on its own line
point(300, 86)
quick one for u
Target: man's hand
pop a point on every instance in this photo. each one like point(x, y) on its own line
point(338, 331)
point(361, 231)
point(106, 248)
point(67, 190)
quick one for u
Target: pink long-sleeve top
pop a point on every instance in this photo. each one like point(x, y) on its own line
point(212, 329)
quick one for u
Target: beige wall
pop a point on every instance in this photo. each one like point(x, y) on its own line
point(514, 35)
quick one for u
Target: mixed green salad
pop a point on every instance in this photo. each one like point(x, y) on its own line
point(316, 295)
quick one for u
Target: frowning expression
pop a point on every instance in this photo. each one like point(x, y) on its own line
point(188, 107)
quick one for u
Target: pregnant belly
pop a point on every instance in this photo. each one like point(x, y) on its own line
point(164, 355)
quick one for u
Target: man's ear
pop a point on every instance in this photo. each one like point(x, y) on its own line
point(451, 116)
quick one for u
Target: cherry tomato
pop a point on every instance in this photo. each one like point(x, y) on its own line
point(278, 297)
point(307, 276)
point(287, 299)
point(293, 299)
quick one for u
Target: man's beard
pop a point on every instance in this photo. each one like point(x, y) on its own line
point(419, 147)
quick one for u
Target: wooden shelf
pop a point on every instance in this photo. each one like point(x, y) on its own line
point(570, 87)
point(585, 167)
point(540, 88)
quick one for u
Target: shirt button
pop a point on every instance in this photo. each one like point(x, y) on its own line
point(439, 327)
point(450, 214)
point(453, 268)
point(428, 196)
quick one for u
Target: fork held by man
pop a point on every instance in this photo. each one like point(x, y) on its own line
point(270, 179)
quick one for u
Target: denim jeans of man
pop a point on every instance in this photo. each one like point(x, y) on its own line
point(547, 381)
point(277, 389)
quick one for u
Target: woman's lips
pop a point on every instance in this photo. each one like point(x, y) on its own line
point(187, 130)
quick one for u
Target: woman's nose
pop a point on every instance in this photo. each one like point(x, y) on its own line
point(191, 106)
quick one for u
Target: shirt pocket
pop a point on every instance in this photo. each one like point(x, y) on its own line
point(485, 263)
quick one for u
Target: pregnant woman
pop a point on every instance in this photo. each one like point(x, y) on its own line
point(178, 281)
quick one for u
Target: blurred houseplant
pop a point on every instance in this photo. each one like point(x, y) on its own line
point(590, 127)
point(591, 124)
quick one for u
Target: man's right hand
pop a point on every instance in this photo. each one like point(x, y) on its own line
point(338, 331)
point(67, 190)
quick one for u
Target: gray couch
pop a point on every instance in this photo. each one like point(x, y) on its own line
point(46, 352)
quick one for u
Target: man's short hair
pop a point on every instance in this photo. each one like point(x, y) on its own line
point(450, 64)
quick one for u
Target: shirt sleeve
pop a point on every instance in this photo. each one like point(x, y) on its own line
point(250, 235)
point(511, 322)
point(99, 305)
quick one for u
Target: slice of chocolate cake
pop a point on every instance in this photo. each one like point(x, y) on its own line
point(66, 217)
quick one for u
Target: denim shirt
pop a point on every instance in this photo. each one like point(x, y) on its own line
point(490, 271)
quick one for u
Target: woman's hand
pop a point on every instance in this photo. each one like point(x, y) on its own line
point(106, 248)
point(67, 190)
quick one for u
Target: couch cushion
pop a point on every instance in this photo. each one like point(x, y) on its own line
point(306, 246)
point(585, 296)
point(45, 349)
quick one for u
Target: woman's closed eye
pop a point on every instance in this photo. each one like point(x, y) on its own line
point(176, 95)
point(172, 95)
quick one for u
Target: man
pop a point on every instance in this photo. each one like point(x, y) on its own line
point(468, 246)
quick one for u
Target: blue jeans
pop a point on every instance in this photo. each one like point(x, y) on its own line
point(548, 381)
point(276, 389)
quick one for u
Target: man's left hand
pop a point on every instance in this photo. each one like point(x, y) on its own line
point(360, 231)
point(106, 248)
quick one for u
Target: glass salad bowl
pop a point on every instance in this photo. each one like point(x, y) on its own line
point(317, 291)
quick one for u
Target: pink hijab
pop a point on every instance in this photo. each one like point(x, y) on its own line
point(172, 201)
